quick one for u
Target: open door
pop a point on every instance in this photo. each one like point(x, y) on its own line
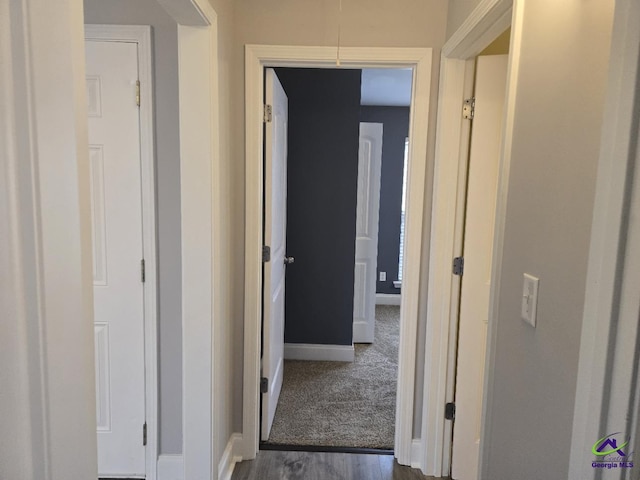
point(484, 156)
point(275, 229)
point(368, 206)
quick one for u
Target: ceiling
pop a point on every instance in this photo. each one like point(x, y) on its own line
point(386, 86)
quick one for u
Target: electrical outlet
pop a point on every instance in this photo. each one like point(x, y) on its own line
point(383, 276)
point(529, 299)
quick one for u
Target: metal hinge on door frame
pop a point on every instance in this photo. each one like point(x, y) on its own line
point(144, 434)
point(264, 385)
point(267, 114)
point(469, 108)
point(142, 271)
point(266, 254)
point(138, 92)
point(458, 266)
point(450, 411)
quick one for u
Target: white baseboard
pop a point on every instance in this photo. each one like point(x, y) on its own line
point(170, 467)
point(416, 454)
point(230, 457)
point(329, 353)
point(388, 298)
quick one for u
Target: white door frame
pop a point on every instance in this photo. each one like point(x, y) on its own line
point(50, 278)
point(484, 24)
point(199, 164)
point(141, 35)
point(256, 58)
point(604, 320)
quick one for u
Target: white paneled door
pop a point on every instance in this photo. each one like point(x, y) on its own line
point(484, 157)
point(116, 212)
point(275, 236)
point(368, 205)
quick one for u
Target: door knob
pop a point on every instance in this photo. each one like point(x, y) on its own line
point(289, 260)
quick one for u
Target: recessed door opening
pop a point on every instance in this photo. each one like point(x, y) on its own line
point(118, 60)
point(484, 110)
point(336, 151)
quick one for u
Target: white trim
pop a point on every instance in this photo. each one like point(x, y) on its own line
point(170, 467)
point(416, 453)
point(230, 457)
point(318, 352)
point(141, 35)
point(256, 57)
point(49, 428)
point(487, 21)
point(499, 229)
point(199, 161)
point(388, 298)
point(603, 317)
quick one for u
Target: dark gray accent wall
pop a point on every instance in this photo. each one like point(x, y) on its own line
point(324, 118)
point(395, 122)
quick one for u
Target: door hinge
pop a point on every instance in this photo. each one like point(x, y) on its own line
point(266, 254)
point(469, 108)
point(138, 92)
point(144, 434)
point(264, 385)
point(142, 270)
point(458, 266)
point(450, 411)
point(267, 114)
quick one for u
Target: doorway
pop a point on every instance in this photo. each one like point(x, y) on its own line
point(447, 227)
point(124, 245)
point(486, 115)
point(329, 185)
point(259, 57)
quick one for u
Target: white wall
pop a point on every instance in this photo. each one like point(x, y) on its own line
point(165, 58)
point(556, 140)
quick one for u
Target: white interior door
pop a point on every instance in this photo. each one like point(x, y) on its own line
point(368, 206)
point(275, 234)
point(114, 144)
point(484, 155)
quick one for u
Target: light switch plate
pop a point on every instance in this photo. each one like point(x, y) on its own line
point(529, 299)
point(383, 276)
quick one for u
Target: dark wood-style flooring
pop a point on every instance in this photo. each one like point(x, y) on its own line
point(277, 465)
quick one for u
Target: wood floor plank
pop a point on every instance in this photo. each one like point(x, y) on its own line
point(363, 466)
point(278, 465)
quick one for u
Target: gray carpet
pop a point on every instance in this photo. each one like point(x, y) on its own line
point(340, 403)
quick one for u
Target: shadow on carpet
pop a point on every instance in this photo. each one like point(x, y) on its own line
point(343, 404)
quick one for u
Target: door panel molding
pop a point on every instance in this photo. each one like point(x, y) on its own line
point(141, 35)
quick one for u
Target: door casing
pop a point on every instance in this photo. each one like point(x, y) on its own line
point(484, 24)
point(141, 35)
point(257, 57)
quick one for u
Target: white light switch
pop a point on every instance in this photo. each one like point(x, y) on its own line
point(529, 299)
point(383, 276)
